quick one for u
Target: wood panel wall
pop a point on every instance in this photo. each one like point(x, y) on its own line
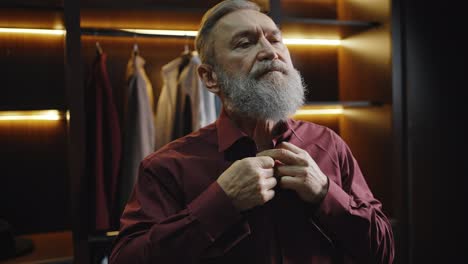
point(319, 68)
point(365, 74)
point(34, 189)
point(368, 133)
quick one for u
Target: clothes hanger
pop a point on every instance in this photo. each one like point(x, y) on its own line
point(186, 47)
point(186, 55)
point(98, 48)
point(136, 51)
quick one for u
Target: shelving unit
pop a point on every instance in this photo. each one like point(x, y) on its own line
point(355, 78)
point(33, 152)
point(35, 184)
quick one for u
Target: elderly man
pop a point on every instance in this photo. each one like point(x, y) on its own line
point(255, 186)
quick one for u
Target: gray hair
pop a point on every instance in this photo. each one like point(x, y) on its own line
point(209, 20)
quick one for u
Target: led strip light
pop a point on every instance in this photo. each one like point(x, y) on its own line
point(175, 33)
point(320, 111)
point(50, 115)
point(33, 31)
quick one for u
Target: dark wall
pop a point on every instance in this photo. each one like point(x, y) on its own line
point(431, 71)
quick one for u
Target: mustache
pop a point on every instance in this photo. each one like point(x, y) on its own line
point(263, 67)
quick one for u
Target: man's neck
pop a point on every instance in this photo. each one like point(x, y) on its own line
point(261, 131)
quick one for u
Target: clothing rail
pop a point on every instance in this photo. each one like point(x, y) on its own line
point(186, 34)
point(135, 33)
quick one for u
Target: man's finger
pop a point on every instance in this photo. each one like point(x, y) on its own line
point(283, 155)
point(268, 173)
point(270, 183)
point(265, 162)
point(289, 146)
point(291, 183)
point(268, 195)
point(295, 171)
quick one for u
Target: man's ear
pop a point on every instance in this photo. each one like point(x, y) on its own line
point(208, 76)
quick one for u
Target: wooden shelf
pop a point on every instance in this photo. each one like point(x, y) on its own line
point(123, 33)
point(187, 16)
point(149, 5)
point(179, 19)
point(344, 104)
point(325, 28)
point(46, 18)
point(330, 22)
point(326, 9)
point(54, 247)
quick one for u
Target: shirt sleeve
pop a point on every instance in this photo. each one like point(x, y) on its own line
point(156, 227)
point(353, 217)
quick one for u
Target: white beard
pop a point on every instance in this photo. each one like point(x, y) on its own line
point(263, 94)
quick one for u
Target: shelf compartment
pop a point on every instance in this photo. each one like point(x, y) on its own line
point(324, 28)
point(326, 9)
point(342, 104)
point(29, 18)
point(188, 19)
point(148, 4)
point(180, 19)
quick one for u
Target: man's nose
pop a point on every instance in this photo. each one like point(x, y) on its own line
point(267, 51)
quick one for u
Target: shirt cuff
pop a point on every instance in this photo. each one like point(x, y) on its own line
point(335, 203)
point(214, 210)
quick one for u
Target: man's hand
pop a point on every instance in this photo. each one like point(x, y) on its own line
point(249, 182)
point(299, 172)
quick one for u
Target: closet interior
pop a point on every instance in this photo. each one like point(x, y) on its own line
point(45, 187)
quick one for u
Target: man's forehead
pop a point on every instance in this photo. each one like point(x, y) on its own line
point(244, 20)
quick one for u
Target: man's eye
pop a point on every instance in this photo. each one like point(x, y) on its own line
point(244, 44)
point(275, 41)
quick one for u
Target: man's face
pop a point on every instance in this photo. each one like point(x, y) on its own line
point(253, 67)
point(245, 37)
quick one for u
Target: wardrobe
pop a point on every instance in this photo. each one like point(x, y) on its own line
point(44, 162)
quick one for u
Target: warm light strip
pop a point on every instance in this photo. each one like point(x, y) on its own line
point(112, 233)
point(193, 33)
point(30, 115)
point(55, 114)
point(181, 33)
point(177, 33)
point(33, 31)
point(303, 41)
point(320, 111)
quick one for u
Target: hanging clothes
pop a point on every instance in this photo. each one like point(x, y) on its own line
point(185, 105)
point(139, 132)
point(183, 109)
point(166, 107)
point(103, 143)
point(202, 101)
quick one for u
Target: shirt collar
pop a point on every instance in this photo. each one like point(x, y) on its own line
point(229, 133)
point(285, 131)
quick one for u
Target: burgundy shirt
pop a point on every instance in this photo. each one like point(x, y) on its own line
point(104, 153)
point(178, 213)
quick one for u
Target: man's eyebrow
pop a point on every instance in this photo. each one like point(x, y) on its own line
point(250, 32)
point(275, 33)
point(243, 33)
